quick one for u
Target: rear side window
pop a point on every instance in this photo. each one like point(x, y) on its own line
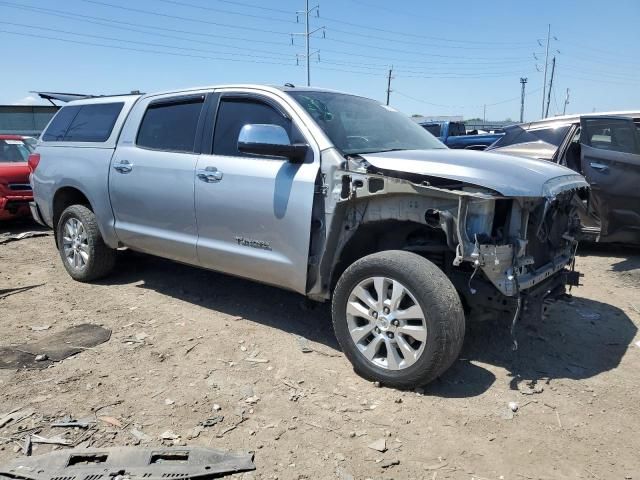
point(233, 114)
point(83, 123)
point(171, 125)
point(60, 124)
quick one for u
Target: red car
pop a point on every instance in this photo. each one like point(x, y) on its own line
point(15, 190)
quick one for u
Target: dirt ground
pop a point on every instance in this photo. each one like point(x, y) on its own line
point(185, 340)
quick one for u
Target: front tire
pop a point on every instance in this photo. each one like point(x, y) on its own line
point(398, 319)
point(84, 254)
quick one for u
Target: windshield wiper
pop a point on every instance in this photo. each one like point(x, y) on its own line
point(364, 152)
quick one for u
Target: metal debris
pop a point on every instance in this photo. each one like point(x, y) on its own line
point(183, 462)
point(69, 422)
point(22, 235)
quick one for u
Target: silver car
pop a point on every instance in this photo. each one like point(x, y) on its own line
point(333, 196)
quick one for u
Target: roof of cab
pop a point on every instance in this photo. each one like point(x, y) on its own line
point(269, 88)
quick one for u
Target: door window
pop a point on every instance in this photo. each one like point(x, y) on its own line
point(618, 135)
point(171, 125)
point(234, 113)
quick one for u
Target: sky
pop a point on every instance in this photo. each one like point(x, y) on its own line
point(449, 58)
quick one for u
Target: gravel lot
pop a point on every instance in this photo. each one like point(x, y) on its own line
point(186, 339)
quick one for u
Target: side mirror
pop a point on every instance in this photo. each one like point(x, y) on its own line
point(270, 140)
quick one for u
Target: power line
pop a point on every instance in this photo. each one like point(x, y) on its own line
point(198, 20)
point(114, 23)
point(357, 25)
point(117, 47)
point(186, 19)
point(229, 12)
point(183, 55)
point(117, 24)
point(103, 37)
point(501, 102)
point(136, 27)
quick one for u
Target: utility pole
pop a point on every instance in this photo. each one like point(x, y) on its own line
point(484, 115)
point(546, 63)
point(553, 69)
point(523, 82)
point(307, 36)
point(566, 102)
point(389, 77)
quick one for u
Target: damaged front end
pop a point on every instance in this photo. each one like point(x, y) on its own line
point(503, 253)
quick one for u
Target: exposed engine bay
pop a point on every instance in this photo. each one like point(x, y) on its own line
point(503, 254)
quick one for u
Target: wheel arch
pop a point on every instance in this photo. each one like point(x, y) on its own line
point(64, 198)
point(389, 234)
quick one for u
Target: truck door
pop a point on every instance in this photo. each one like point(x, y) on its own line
point(151, 179)
point(254, 212)
point(610, 160)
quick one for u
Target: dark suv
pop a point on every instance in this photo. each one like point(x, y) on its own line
point(605, 148)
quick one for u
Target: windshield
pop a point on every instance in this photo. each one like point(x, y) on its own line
point(13, 151)
point(360, 125)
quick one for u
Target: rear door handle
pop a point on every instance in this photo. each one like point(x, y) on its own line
point(123, 166)
point(599, 166)
point(210, 175)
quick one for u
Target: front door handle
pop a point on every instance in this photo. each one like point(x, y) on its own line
point(599, 166)
point(123, 166)
point(210, 175)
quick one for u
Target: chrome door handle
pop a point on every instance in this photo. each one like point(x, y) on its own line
point(124, 166)
point(599, 166)
point(210, 175)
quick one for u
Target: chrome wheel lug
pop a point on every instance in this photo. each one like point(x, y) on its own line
point(386, 310)
point(377, 330)
point(374, 314)
point(390, 334)
point(395, 323)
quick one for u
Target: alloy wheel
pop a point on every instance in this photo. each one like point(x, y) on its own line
point(386, 323)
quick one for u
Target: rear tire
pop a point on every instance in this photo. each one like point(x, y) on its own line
point(84, 254)
point(411, 333)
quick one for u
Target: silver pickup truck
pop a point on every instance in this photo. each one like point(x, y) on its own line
point(331, 195)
